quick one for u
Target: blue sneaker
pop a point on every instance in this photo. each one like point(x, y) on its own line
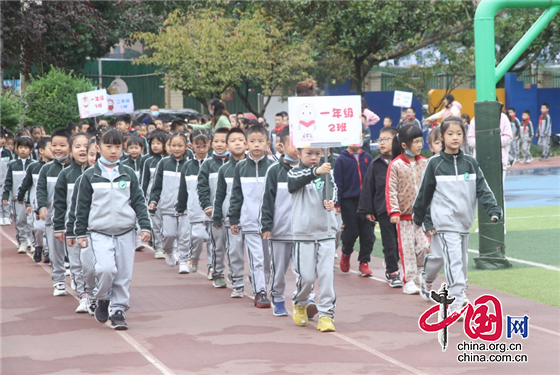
point(425, 289)
point(279, 309)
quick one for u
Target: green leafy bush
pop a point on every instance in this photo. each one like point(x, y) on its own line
point(11, 110)
point(52, 99)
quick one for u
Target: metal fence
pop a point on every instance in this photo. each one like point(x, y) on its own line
point(440, 82)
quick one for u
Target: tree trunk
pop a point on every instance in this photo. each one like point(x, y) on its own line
point(358, 78)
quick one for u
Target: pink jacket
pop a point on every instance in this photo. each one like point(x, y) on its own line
point(506, 136)
point(371, 118)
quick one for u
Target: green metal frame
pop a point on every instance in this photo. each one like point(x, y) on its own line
point(492, 247)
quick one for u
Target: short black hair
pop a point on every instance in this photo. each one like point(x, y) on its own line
point(112, 137)
point(126, 118)
point(389, 117)
point(413, 110)
point(221, 131)
point(239, 113)
point(284, 135)
point(546, 105)
point(160, 136)
point(253, 122)
point(134, 140)
point(42, 142)
point(527, 112)
point(511, 109)
point(389, 129)
point(258, 128)
point(72, 127)
point(25, 141)
point(233, 131)
point(279, 114)
point(60, 133)
point(284, 114)
point(175, 123)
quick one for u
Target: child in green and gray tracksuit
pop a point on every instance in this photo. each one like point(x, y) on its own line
point(62, 204)
point(108, 204)
point(27, 194)
point(198, 230)
point(314, 229)
point(6, 156)
point(14, 176)
point(206, 189)
point(445, 207)
point(234, 244)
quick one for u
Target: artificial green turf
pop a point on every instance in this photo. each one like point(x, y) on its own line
point(533, 234)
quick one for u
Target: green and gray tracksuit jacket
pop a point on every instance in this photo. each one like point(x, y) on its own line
point(275, 213)
point(71, 221)
point(110, 207)
point(246, 193)
point(149, 174)
point(14, 176)
point(208, 180)
point(6, 156)
point(526, 132)
point(311, 221)
point(27, 191)
point(45, 187)
point(187, 198)
point(450, 187)
point(166, 184)
point(136, 165)
point(223, 193)
point(545, 126)
point(63, 191)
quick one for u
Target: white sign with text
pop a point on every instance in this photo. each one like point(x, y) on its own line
point(92, 103)
point(120, 103)
point(402, 99)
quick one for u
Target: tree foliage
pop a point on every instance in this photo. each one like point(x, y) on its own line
point(51, 99)
point(11, 110)
point(367, 33)
point(206, 51)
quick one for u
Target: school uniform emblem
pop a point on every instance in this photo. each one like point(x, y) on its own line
point(467, 176)
point(319, 184)
point(122, 185)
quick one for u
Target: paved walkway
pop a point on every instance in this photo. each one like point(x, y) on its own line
point(180, 324)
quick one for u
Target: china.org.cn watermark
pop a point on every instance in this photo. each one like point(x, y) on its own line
point(483, 322)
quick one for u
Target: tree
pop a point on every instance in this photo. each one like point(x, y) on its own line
point(51, 100)
point(371, 32)
point(11, 109)
point(207, 51)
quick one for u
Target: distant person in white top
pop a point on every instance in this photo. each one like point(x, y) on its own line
point(451, 108)
point(506, 137)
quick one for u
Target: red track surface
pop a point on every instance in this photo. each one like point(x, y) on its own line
point(180, 324)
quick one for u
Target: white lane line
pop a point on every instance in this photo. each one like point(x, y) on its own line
point(139, 348)
point(378, 353)
point(528, 262)
point(529, 217)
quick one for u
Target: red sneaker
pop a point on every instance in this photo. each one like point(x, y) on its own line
point(345, 263)
point(364, 270)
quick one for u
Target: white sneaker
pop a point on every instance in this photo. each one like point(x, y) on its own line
point(465, 299)
point(73, 285)
point(170, 259)
point(410, 288)
point(22, 249)
point(147, 247)
point(67, 272)
point(455, 308)
point(6, 221)
point(59, 289)
point(183, 267)
point(83, 306)
point(159, 254)
point(193, 266)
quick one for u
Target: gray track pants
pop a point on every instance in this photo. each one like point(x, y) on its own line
point(170, 231)
point(315, 260)
point(544, 144)
point(280, 255)
point(199, 234)
point(236, 261)
point(76, 270)
point(526, 149)
point(88, 270)
point(114, 260)
point(156, 229)
point(57, 252)
point(259, 261)
point(22, 223)
point(39, 233)
point(218, 251)
point(5, 208)
point(449, 250)
point(184, 239)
